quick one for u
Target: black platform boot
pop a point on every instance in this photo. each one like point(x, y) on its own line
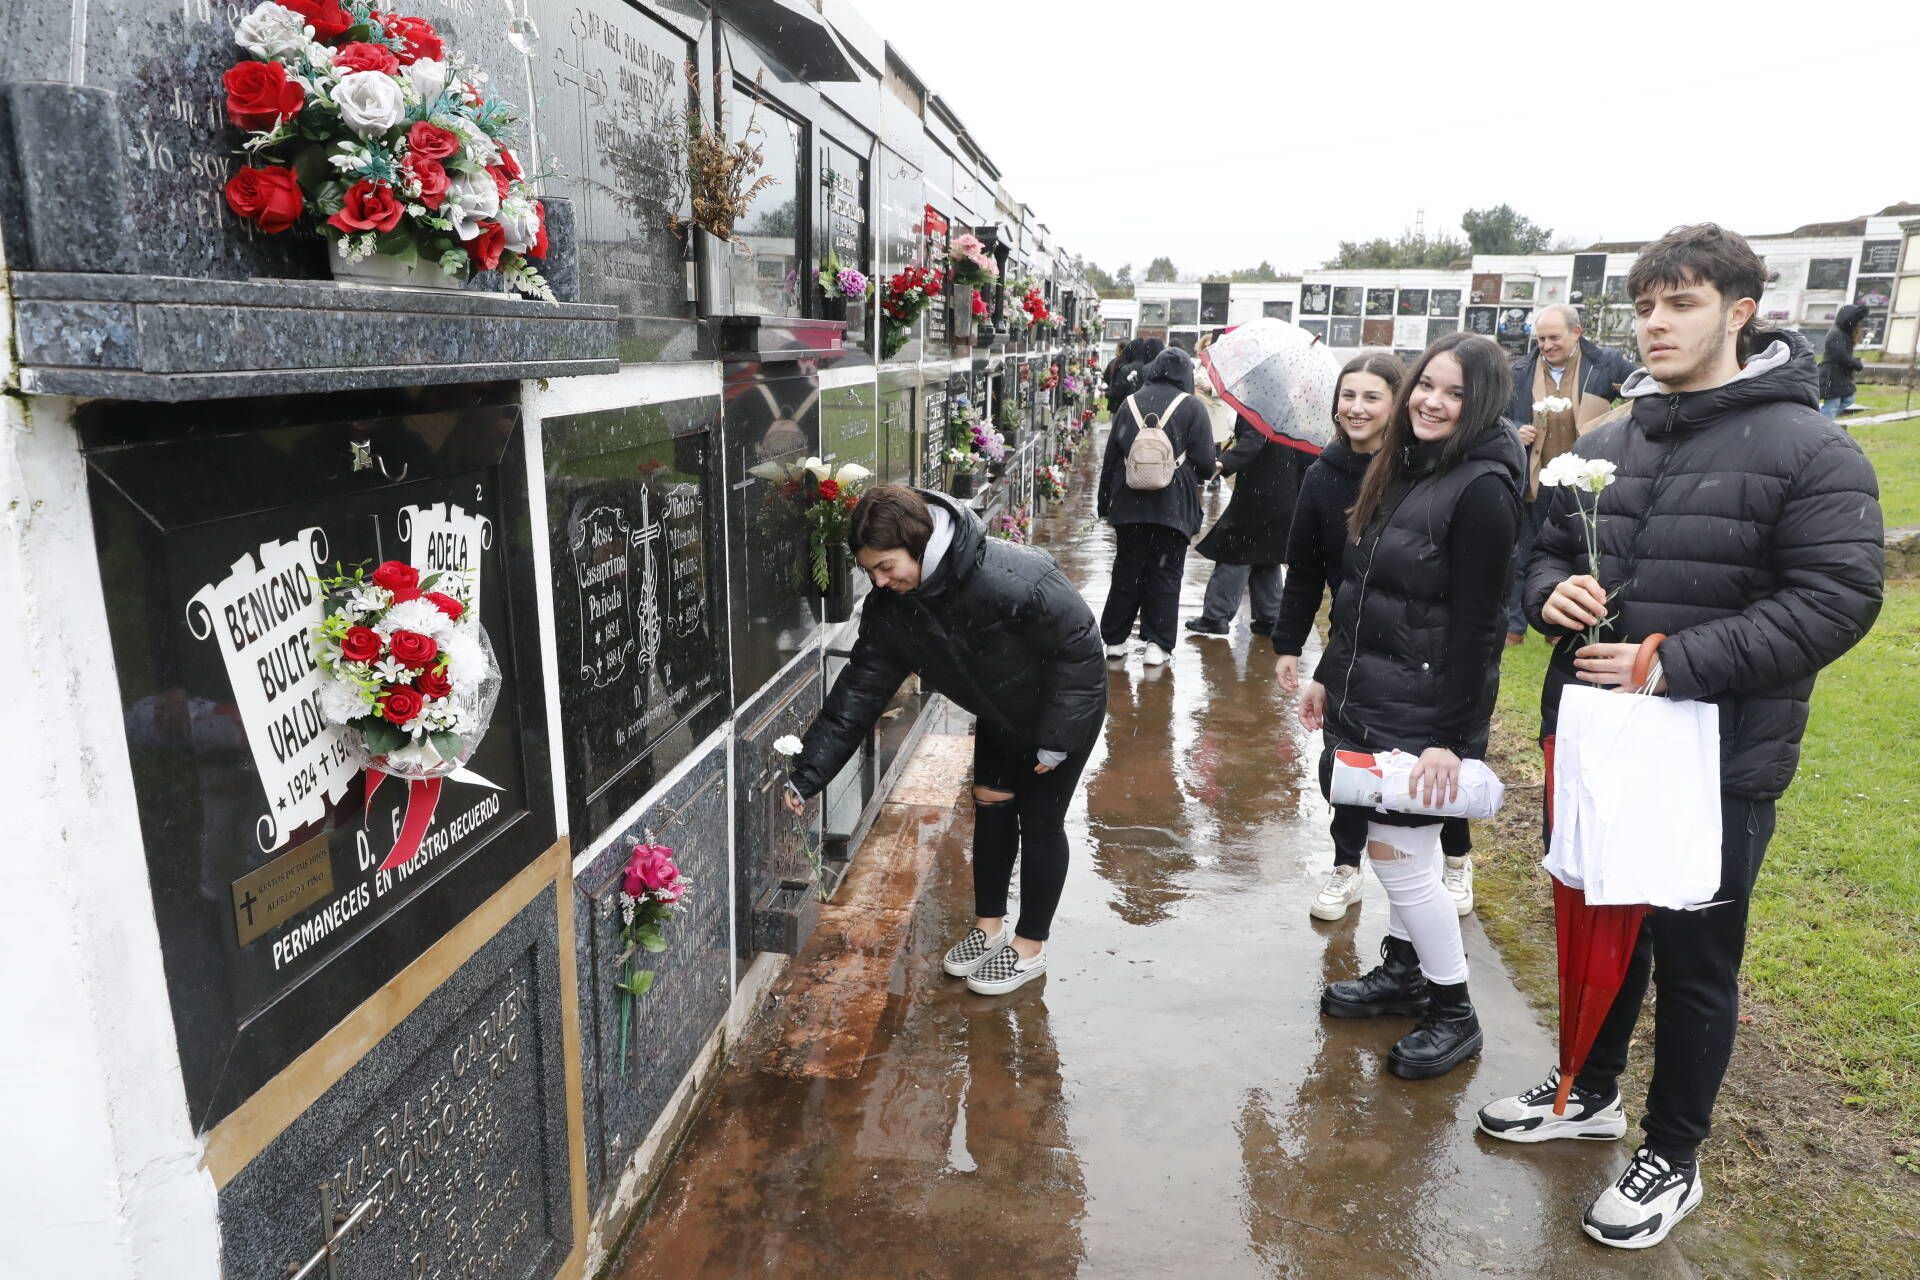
point(1393, 986)
point(1445, 1038)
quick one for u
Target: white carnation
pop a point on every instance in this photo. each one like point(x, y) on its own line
point(466, 661)
point(415, 615)
point(787, 745)
point(471, 197)
point(429, 79)
point(341, 702)
point(370, 102)
point(271, 30)
point(521, 221)
point(1562, 470)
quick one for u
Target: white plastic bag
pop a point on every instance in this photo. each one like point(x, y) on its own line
point(1382, 781)
point(1636, 798)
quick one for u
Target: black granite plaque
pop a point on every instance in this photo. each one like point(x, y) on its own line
point(937, 230)
point(1444, 302)
point(453, 1127)
point(1483, 320)
point(1348, 301)
point(1829, 273)
point(769, 841)
point(848, 427)
point(1213, 303)
point(1344, 332)
point(1281, 310)
point(1440, 327)
point(1318, 328)
point(612, 99)
point(628, 1078)
point(165, 65)
point(1315, 299)
point(1379, 302)
point(772, 425)
point(633, 505)
point(1184, 311)
point(1589, 275)
point(206, 539)
point(934, 403)
point(1411, 302)
point(1879, 256)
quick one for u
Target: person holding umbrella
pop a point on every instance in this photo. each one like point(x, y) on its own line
point(1413, 664)
point(1739, 546)
point(997, 628)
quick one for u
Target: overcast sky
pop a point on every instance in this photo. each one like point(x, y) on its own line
point(1223, 133)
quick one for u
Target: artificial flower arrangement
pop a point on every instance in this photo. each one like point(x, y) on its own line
point(1051, 482)
point(1583, 476)
point(652, 891)
point(972, 264)
point(1010, 413)
point(1051, 378)
point(362, 120)
point(835, 495)
point(1012, 525)
point(843, 282)
point(908, 294)
point(981, 311)
point(1071, 387)
point(1034, 303)
point(785, 748)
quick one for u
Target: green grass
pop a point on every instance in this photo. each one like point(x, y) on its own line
point(1875, 399)
point(1894, 448)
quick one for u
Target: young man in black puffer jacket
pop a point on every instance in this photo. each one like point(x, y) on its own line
point(999, 630)
point(1745, 528)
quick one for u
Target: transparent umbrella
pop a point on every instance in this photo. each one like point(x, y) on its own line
point(1280, 378)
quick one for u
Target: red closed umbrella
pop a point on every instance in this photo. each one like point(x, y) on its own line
point(1595, 947)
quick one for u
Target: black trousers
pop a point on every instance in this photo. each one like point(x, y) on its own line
point(1693, 959)
point(1148, 561)
point(1349, 825)
point(1031, 826)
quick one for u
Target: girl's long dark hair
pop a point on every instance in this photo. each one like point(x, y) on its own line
point(1488, 378)
point(1383, 365)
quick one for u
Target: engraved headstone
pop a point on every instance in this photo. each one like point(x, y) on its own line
point(933, 433)
point(848, 427)
point(772, 424)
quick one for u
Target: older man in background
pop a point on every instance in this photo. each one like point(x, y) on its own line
point(1560, 388)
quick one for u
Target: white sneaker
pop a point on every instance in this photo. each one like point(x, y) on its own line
point(1458, 879)
point(1340, 892)
point(1005, 971)
point(1528, 1117)
point(1116, 651)
point(968, 954)
point(1155, 655)
point(1646, 1203)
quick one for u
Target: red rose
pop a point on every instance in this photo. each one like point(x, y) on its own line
point(538, 249)
point(361, 56)
point(434, 684)
point(360, 644)
point(259, 93)
point(268, 197)
point(401, 595)
point(446, 604)
point(432, 142)
point(328, 20)
point(411, 649)
point(394, 574)
point(500, 179)
point(417, 34)
point(511, 165)
point(432, 177)
point(369, 206)
point(487, 247)
point(829, 490)
point(400, 704)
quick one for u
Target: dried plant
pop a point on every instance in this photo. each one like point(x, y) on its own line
point(719, 172)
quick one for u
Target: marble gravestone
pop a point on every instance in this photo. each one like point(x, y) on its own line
point(934, 404)
point(633, 500)
point(769, 913)
point(612, 98)
point(451, 1132)
point(896, 426)
point(848, 427)
point(274, 919)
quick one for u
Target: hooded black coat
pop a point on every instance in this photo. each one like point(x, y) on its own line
point(1838, 364)
point(1397, 670)
point(1191, 429)
point(996, 627)
point(1743, 526)
point(1317, 541)
point(1253, 528)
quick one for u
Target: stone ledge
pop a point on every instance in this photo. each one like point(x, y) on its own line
point(172, 338)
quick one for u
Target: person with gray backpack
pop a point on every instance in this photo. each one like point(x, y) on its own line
point(1159, 452)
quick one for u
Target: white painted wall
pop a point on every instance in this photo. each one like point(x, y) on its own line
point(102, 1177)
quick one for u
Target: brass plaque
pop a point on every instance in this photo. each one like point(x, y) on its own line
point(292, 882)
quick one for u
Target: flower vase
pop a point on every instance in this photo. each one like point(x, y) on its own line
point(834, 308)
point(837, 602)
point(960, 482)
point(717, 259)
point(381, 270)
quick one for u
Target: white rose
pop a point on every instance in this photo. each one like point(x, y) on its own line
point(521, 221)
point(429, 79)
point(271, 30)
point(471, 197)
point(371, 103)
point(787, 746)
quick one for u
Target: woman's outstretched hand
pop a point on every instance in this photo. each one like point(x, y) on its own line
point(1313, 706)
point(1435, 780)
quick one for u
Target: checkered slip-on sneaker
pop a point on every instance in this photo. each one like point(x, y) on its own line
point(972, 951)
point(1005, 971)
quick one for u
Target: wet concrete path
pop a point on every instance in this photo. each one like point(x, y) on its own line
point(1167, 1101)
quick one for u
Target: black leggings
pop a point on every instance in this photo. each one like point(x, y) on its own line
point(1032, 825)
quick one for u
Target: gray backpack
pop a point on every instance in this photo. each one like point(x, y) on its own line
point(1151, 461)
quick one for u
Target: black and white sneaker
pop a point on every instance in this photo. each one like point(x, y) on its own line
point(1646, 1203)
point(1005, 971)
point(968, 954)
point(1528, 1117)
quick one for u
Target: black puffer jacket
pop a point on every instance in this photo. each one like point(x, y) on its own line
point(1397, 670)
point(1317, 541)
point(1191, 429)
point(1253, 528)
point(1838, 364)
point(1744, 527)
point(997, 628)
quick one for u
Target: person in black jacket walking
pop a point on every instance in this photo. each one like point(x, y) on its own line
point(1248, 543)
point(1838, 364)
point(1152, 527)
point(998, 629)
point(1744, 529)
point(1413, 664)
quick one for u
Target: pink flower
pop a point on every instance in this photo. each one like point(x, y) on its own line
point(651, 870)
